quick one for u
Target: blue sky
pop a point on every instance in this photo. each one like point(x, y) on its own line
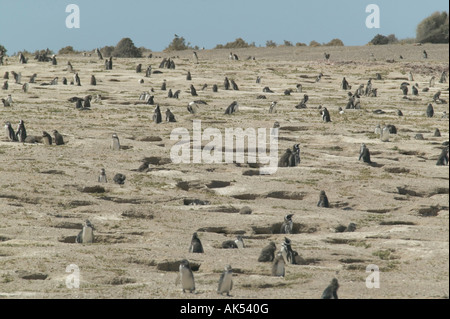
point(38, 24)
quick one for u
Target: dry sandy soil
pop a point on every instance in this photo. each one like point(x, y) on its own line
point(143, 228)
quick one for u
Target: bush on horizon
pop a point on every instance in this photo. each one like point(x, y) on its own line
point(236, 44)
point(433, 29)
point(126, 49)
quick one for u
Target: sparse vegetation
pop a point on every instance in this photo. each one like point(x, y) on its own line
point(335, 43)
point(270, 44)
point(380, 39)
point(314, 43)
point(236, 44)
point(67, 50)
point(179, 44)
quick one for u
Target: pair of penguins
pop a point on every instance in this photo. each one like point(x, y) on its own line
point(186, 276)
point(157, 117)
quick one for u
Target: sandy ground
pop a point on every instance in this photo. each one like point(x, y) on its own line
point(143, 228)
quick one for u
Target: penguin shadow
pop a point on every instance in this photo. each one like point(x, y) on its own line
point(375, 164)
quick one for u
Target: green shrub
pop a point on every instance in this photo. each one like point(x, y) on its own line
point(126, 49)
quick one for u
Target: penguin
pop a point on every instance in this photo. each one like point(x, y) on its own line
point(170, 94)
point(215, 88)
point(21, 133)
point(192, 108)
point(196, 245)
point(425, 54)
point(237, 243)
point(299, 88)
point(186, 276)
point(399, 113)
point(287, 252)
point(93, 80)
point(430, 110)
point(25, 87)
point(415, 91)
point(157, 117)
point(5, 103)
point(164, 86)
point(58, 138)
point(10, 132)
point(87, 102)
point(285, 160)
point(195, 57)
point(272, 107)
point(169, 116)
point(287, 225)
point(115, 145)
point(232, 108)
point(323, 200)
point(234, 85)
point(189, 76)
point(46, 138)
point(102, 178)
point(139, 68)
point(325, 115)
point(226, 83)
point(86, 235)
point(443, 157)
point(193, 91)
point(5, 85)
point(226, 281)
point(437, 133)
point(76, 79)
point(176, 95)
point(331, 291)
point(278, 266)
point(119, 179)
point(268, 253)
point(364, 154)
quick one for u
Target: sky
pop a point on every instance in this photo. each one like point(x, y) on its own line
point(38, 24)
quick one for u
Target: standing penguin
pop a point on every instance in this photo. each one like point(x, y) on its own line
point(226, 281)
point(46, 138)
point(21, 133)
point(278, 265)
point(58, 138)
point(430, 110)
point(272, 107)
point(196, 245)
point(193, 91)
point(10, 132)
point(287, 225)
point(364, 154)
point(287, 252)
point(102, 178)
point(331, 291)
point(115, 145)
point(86, 235)
point(325, 115)
point(226, 83)
point(323, 200)
point(195, 57)
point(186, 276)
point(93, 80)
point(76, 79)
point(157, 118)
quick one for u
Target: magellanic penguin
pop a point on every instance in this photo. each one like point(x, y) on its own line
point(237, 243)
point(232, 108)
point(46, 138)
point(364, 154)
point(323, 200)
point(287, 225)
point(268, 253)
point(10, 132)
point(86, 235)
point(278, 265)
point(226, 281)
point(102, 178)
point(186, 276)
point(196, 245)
point(331, 291)
point(58, 138)
point(21, 133)
point(115, 145)
point(157, 117)
point(287, 252)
